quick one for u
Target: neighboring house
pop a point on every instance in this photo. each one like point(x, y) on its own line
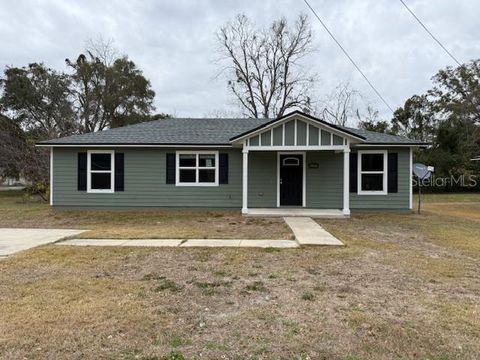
point(11, 182)
point(296, 160)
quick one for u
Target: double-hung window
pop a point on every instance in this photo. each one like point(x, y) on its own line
point(197, 168)
point(100, 171)
point(372, 172)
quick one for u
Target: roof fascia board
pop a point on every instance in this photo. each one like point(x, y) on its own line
point(138, 145)
point(214, 145)
point(391, 145)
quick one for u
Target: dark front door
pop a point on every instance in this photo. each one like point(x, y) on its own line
point(291, 180)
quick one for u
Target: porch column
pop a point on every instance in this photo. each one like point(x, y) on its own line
point(346, 181)
point(51, 176)
point(245, 182)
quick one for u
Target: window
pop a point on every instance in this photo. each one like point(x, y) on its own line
point(197, 168)
point(291, 161)
point(100, 171)
point(372, 172)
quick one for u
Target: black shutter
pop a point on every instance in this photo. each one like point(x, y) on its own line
point(170, 168)
point(392, 172)
point(353, 172)
point(82, 171)
point(119, 172)
point(223, 170)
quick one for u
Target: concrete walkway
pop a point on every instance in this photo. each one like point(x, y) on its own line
point(183, 243)
point(308, 232)
point(15, 240)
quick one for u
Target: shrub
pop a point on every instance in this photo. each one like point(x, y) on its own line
point(308, 296)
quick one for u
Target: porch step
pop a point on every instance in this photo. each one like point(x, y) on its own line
point(294, 212)
point(308, 232)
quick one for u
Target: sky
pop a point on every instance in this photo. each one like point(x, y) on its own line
point(174, 44)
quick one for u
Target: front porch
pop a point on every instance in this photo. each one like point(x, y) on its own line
point(291, 183)
point(296, 166)
point(311, 183)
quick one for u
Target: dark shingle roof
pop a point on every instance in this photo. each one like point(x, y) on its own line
point(203, 131)
point(167, 131)
point(372, 137)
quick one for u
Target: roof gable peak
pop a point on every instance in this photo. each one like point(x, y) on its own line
point(303, 117)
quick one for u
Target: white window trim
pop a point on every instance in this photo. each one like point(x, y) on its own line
point(196, 168)
point(384, 173)
point(111, 171)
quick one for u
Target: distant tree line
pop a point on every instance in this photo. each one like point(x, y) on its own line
point(98, 90)
point(447, 116)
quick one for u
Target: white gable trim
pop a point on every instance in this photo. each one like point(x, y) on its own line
point(263, 139)
point(296, 116)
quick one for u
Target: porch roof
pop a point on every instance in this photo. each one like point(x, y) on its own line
point(272, 122)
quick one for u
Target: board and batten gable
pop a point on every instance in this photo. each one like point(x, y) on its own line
point(296, 132)
point(144, 182)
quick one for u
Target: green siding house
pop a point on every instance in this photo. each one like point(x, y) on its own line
point(296, 163)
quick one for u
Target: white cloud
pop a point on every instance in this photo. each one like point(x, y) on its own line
point(173, 42)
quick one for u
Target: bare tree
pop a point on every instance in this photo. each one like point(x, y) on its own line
point(263, 66)
point(341, 105)
point(222, 113)
point(102, 49)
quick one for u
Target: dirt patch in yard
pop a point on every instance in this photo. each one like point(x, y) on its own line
point(193, 225)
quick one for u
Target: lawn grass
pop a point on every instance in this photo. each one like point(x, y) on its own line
point(461, 205)
point(449, 197)
point(404, 287)
point(19, 212)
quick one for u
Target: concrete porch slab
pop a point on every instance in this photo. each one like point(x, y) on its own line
point(308, 232)
point(294, 212)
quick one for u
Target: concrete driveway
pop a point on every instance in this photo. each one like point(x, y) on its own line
point(15, 240)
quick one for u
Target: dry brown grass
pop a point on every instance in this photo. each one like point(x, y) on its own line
point(137, 224)
point(402, 288)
